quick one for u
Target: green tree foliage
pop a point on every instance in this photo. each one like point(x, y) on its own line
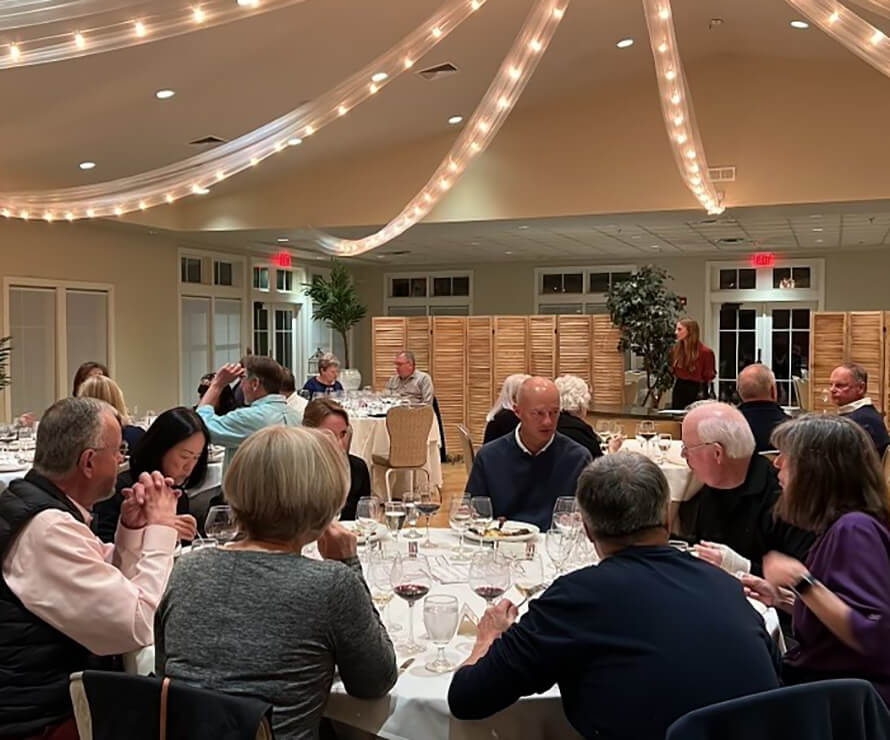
point(335, 301)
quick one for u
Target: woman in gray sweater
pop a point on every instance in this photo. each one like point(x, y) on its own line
point(255, 617)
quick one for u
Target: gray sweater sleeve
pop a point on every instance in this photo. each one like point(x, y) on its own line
point(362, 648)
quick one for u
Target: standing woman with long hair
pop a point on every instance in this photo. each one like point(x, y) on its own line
point(692, 364)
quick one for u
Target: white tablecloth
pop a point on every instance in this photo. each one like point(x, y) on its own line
point(684, 485)
point(211, 480)
point(7, 477)
point(369, 438)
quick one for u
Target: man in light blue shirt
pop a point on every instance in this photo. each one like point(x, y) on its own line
point(261, 382)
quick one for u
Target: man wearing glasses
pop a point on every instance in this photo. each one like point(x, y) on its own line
point(65, 596)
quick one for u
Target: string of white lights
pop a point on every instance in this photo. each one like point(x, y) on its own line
point(24, 13)
point(144, 24)
point(196, 175)
point(881, 7)
point(844, 25)
point(494, 108)
point(676, 105)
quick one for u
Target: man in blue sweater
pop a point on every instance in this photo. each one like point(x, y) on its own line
point(525, 472)
point(849, 383)
point(635, 642)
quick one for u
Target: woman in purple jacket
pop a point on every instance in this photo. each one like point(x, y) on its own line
point(832, 484)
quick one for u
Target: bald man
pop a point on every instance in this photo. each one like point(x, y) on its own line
point(525, 472)
point(756, 386)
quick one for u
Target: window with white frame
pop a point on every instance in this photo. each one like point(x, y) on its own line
point(223, 273)
point(428, 294)
point(260, 278)
point(577, 290)
point(56, 326)
point(284, 281)
point(190, 269)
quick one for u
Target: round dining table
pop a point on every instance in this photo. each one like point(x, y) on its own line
point(417, 706)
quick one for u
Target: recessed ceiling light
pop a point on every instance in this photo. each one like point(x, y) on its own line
point(282, 239)
point(454, 120)
point(802, 25)
point(523, 228)
point(379, 77)
point(654, 246)
point(624, 43)
point(294, 141)
point(819, 241)
point(818, 228)
point(87, 165)
point(508, 252)
point(381, 256)
point(164, 94)
point(815, 215)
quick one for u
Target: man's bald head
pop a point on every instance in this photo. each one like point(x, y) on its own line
point(718, 444)
point(756, 383)
point(537, 406)
point(537, 388)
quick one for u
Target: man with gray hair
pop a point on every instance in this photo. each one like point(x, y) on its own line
point(731, 517)
point(650, 626)
point(409, 382)
point(64, 594)
point(849, 385)
point(756, 386)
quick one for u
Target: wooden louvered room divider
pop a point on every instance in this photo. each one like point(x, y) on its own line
point(469, 357)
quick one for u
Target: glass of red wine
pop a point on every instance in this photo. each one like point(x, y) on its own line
point(489, 575)
point(411, 581)
point(428, 504)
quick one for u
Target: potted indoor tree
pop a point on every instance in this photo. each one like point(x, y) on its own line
point(645, 310)
point(335, 301)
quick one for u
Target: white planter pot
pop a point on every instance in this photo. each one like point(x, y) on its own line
point(350, 379)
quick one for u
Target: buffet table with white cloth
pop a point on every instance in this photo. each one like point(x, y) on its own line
point(417, 706)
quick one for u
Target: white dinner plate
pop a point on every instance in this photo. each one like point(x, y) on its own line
point(379, 533)
point(509, 525)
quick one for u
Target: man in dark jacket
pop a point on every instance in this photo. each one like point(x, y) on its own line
point(757, 389)
point(849, 384)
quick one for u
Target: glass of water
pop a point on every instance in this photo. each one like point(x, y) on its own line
point(664, 446)
point(440, 616)
point(394, 514)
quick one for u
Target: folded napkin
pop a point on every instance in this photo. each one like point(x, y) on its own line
point(466, 625)
point(444, 571)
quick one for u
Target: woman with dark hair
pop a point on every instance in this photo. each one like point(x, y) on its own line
point(692, 364)
point(833, 485)
point(325, 413)
point(87, 370)
point(177, 445)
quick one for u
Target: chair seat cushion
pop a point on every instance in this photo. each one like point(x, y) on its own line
point(380, 460)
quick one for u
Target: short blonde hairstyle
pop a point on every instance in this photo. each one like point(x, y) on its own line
point(327, 360)
point(105, 389)
point(286, 483)
point(574, 393)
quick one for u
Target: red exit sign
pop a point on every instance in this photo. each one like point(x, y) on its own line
point(763, 259)
point(282, 259)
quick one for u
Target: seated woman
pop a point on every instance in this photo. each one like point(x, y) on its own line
point(177, 444)
point(839, 599)
point(87, 370)
point(574, 398)
point(501, 419)
point(325, 413)
point(105, 389)
point(257, 618)
point(326, 380)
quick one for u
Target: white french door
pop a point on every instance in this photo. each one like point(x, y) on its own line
point(275, 332)
point(776, 334)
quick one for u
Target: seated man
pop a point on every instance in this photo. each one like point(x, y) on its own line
point(261, 381)
point(757, 389)
point(524, 472)
point(409, 382)
point(849, 383)
point(732, 514)
point(64, 594)
point(634, 642)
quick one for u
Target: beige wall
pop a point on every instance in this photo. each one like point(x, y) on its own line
point(143, 270)
point(854, 281)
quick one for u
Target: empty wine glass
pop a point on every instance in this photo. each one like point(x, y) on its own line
point(380, 585)
point(528, 576)
point(411, 516)
point(394, 514)
point(482, 516)
point(429, 504)
point(410, 579)
point(664, 446)
point(440, 617)
point(489, 575)
point(367, 515)
point(566, 516)
point(459, 517)
point(559, 548)
point(604, 430)
point(220, 524)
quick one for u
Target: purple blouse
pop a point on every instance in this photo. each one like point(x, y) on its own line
point(852, 559)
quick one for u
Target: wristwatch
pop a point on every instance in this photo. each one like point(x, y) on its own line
point(804, 584)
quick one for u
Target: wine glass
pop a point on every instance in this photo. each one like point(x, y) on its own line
point(528, 577)
point(604, 430)
point(429, 504)
point(489, 575)
point(459, 517)
point(367, 514)
point(410, 579)
point(645, 434)
point(559, 547)
point(220, 524)
point(440, 617)
point(411, 516)
point(481, 516)
point(394, 513)
point(566, 516)
point(380, 585)
point(664, 446)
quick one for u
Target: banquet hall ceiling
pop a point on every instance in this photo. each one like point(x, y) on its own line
point(232, 78)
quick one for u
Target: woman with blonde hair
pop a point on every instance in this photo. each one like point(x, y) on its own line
point(105, 389)
point(502, 419)
point(692, 364)
point(326, 380)
point(574, 399)
point(257, 618)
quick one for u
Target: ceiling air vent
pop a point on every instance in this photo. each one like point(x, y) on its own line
point(731, 241)
point(438, 72)
point(207, 140)
point(721, 174)
point(398, 253)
